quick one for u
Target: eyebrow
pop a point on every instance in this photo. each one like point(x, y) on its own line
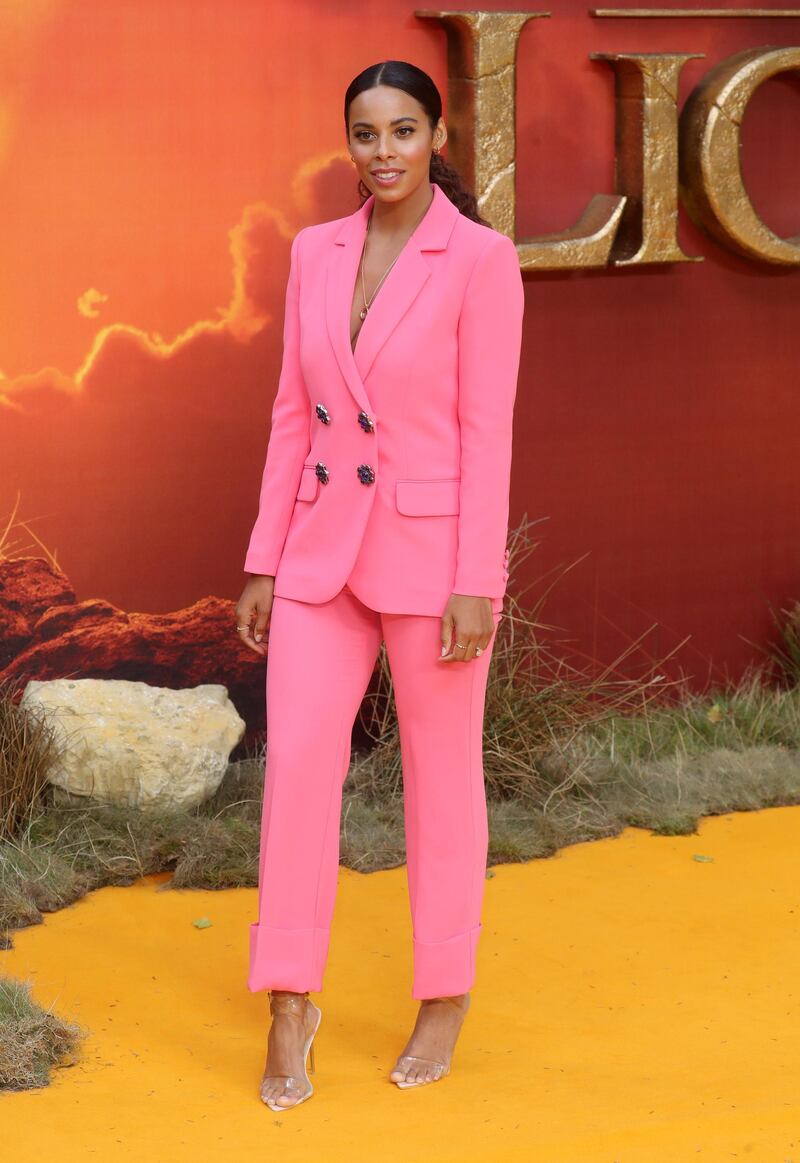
point(369, 125)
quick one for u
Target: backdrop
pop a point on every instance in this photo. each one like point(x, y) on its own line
point(156, 158)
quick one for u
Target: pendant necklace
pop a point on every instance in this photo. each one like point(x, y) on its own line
point(368, 302)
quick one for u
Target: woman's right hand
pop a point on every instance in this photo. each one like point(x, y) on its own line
point(255, 603)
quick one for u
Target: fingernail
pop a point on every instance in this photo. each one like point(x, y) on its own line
point(444, 651)
point(258, 637)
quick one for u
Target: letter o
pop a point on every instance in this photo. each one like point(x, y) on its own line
point(712, 186)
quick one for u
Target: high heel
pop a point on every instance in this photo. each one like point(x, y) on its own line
point(440, 1069)
point(298, 1005)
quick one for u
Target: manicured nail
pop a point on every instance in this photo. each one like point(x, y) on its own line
point(444, 651)
point(258, 637)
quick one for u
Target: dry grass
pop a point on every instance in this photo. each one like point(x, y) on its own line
point(33, 1040)
point(27, 752)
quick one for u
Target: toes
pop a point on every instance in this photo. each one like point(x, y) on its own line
point(276, 1092)
point(417, 1075)
point(289, 1096)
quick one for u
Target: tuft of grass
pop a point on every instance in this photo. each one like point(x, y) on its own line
point(34, 1040)
point(786, 653)
point(28, 748)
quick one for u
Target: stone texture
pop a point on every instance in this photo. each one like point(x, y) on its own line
point(29, 586)
point(138, 745)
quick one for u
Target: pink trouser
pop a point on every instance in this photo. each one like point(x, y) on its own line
point(319, 663)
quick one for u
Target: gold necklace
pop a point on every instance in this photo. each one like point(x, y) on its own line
point(367, 304)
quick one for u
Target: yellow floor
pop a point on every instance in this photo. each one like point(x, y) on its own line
point(634, 1005)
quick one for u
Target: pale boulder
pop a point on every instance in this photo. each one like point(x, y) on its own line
point(135, 744)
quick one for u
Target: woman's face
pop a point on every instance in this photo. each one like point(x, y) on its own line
point(389, 130)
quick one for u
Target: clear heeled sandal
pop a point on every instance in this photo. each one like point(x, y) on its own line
point(407, 1062)
point(302, 1007)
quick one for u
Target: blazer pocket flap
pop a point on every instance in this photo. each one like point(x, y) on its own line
point(431, 498)
point(309, 483)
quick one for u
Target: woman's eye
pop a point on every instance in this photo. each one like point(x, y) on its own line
point(362, 134)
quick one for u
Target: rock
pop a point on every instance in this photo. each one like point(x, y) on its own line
point(28, 587)
point(138, 745)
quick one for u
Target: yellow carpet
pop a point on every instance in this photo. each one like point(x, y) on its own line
point(634, 1005)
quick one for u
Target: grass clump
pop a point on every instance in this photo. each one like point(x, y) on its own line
point(34, 1040)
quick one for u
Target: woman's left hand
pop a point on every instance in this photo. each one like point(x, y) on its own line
point(466, 622)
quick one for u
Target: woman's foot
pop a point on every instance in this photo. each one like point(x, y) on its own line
point(295, 1019)
point(428, 1052)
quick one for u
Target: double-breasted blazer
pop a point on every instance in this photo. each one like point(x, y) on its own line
point(388, 467)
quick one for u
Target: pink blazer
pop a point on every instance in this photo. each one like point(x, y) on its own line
point(388, 468)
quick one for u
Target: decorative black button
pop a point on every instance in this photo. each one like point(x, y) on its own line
point(366, 422)
point(322, 414)
point(366, 474)
point(322, 472)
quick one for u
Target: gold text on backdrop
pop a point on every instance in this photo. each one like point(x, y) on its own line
point(659, 156)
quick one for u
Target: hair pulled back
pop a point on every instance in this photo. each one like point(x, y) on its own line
point(417, 83)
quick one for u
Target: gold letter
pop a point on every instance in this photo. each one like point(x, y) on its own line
point(646, 164)
point(481, 54)
point(710, 172)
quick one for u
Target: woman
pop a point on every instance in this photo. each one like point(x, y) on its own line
point(383, 515)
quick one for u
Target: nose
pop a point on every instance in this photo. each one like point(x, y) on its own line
point(384, 148)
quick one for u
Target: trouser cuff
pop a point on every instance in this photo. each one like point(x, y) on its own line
point(445, 968)
point(291, 959)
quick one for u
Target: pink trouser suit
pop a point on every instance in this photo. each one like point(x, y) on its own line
point(385, 490)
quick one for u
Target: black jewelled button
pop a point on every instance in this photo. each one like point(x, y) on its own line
point(366, 474)
point(323, 414)
point(366, 422)
point(322, 472)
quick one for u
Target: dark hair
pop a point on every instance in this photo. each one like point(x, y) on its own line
point(402, 75)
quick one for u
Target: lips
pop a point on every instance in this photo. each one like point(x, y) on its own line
point(386, 177)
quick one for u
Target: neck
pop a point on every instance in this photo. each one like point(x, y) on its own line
point(390, 218)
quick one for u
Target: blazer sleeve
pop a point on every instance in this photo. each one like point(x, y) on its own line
point(489, 343)
point(289, 440)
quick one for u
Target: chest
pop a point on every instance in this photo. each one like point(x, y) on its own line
point(408, 342)
point(371, 278)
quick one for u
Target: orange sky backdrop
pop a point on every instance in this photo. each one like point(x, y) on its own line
point(156, 157)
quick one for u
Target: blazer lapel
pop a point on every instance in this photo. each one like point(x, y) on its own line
point(398, 291)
